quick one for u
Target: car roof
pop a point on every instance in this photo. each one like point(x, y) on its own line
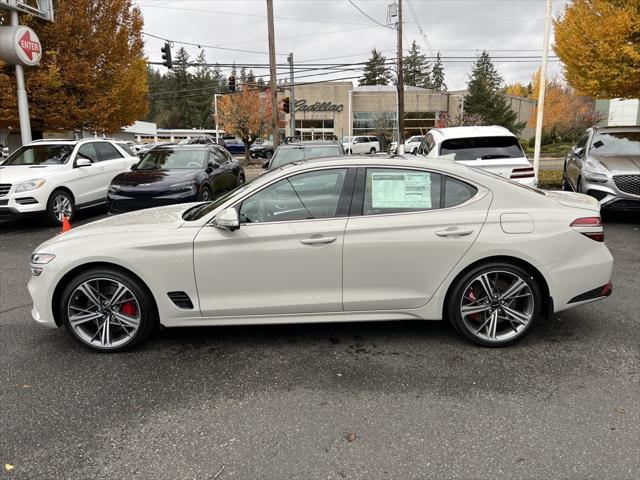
point(620, 128)
point(470, 132)
point(310, 143)
point(184, 146)
point(65, 141)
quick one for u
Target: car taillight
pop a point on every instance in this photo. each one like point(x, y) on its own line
point(589, 227)
point(524, 172)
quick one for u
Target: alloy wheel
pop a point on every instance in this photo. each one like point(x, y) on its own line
point(497, 306)
point(62, 206)
point(104, 313)
point(206, 195)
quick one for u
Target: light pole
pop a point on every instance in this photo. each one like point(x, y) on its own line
point(543, 85)
point(215, 114)
point(23, 103)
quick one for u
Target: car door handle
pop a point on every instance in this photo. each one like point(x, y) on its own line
point(453, 232)
point(317, 240)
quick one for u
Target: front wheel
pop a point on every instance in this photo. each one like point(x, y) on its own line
point(107, 310)
point(205, 195)
point(60, 205)
point(495, 305)
point(566, 186)
point(372, 151)
point(241, 180)
point(268, 154)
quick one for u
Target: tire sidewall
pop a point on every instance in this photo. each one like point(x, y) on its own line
point(148, 317)
point(51, 217)
point(201, 194)
point(458, 290)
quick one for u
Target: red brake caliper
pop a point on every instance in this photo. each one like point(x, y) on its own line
point(128, 308)
point(472, 296)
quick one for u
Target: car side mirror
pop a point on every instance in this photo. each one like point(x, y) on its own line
point(211, 166)
point(355, 141)
point(578, 152)
point(227, 219)
point(83, 162)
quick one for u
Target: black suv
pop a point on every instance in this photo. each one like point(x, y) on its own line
point(298, 151)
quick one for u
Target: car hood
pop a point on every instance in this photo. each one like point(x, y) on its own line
point(20, 173)
point(153, 178)
point(574, 200)
point(622, 163)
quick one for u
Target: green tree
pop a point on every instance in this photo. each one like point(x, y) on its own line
point(375, 72)
point(416, 68)
point(485, 98)
point(437, 75)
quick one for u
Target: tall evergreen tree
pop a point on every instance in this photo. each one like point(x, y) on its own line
point(437, 75)
point(375, 72)
point(416, 68)
point(485, 97)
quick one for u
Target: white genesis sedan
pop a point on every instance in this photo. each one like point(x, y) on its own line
point(337, 240)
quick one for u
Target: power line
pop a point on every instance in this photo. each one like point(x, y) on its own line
point(366, 15)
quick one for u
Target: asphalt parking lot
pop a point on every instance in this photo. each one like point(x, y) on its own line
point(359, 401)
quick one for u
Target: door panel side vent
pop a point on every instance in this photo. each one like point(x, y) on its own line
point(181, 300)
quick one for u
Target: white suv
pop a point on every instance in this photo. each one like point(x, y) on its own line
point(492, 148)
point(57, 177)
point(360, 144)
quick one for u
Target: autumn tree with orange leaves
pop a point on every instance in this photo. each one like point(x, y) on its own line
point(93, 73)
point(245, 114)
point(566, 114)
point(598, 42)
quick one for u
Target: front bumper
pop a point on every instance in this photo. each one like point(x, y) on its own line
point(610, 196)
point(124, 202)
point(17, 204)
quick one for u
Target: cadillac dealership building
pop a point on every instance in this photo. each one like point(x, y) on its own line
point(340, 109)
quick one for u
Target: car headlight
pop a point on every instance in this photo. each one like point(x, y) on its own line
point(183, 186)
point(39, 259)
point(593, 172)
point(30, 185)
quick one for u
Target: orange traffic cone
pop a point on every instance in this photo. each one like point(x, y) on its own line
point(66, 225)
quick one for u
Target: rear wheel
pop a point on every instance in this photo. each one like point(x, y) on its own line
point(268, 154)
point(205, 195)
point(372, 151)
point(495, 305)
point(241, 180)
point(60, 205)
point(566, 186)
point(107, 310)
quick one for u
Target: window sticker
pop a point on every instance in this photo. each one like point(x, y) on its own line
point(401, 190)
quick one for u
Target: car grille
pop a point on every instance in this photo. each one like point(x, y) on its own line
point(628, 183)
point(4, 189)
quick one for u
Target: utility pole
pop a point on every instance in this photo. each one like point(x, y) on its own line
point(23, 103)
point(292, 97)
point(215, 110)
point(400, 84)
point(272, 71)
point(543, 85)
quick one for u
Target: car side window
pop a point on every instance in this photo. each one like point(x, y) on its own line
point(88, 150)
point(426, 145)
point(107, 151)
point(219, 156)
point(390, 190)
point(127, 149)
point(304, 196)
point(582, 141)
point(457, 192)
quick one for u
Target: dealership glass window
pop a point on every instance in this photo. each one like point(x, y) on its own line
point(415, 123)
point(400, 190)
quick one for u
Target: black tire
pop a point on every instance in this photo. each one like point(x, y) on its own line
point(241, 180)
point(205, 194)
point(148, 322)
point(268, 154)
point(460, 288)
point(347, 151)
point(52, 206)
point(566, 186)
point(372, 151)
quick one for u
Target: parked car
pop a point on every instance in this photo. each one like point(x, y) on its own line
point(360, 144)
point(4, 151)
point(605, 164)
point(175, 174)
point(58, 177)
point(199, 140)
point(262, 150)
point(306, 150)
point(331, 240)
point(492, 148)
point(235, 147)
point(413, 144)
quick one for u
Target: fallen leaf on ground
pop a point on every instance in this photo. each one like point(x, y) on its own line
point(8, 467)
point(351, 437)
point(619, 410)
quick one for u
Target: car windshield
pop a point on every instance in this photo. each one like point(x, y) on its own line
point(40, 155)
point(616, 143)
point(481, 148)
point(296, 154)
point(170, 159)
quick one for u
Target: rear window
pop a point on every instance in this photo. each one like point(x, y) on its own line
point(481, 148)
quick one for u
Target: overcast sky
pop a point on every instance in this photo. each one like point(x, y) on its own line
point(334, 31)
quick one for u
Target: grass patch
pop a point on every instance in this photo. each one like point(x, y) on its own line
point(550, 179)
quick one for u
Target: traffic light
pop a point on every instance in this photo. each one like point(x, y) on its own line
point(285, 105)
point(232, 83)
point(166, 55)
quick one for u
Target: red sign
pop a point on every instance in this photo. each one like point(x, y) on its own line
point(29, 47)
